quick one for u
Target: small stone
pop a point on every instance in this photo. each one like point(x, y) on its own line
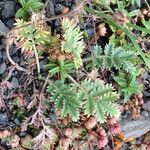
point(144, 113)
point(14, 82)
point(146, 106)
point(9, 10)
point(10, 23)
point(90, 32)
point(58, 23)
point(50, 9)
point(1, 54)
point(16, 59)
point(3, 29)
point(13, 50)
point(4, 118)
point(59, 8)
point(43, 63)
point(1, 47)
point(22, 133)
point(146, 94)
point(2, 68)
point(17, 121)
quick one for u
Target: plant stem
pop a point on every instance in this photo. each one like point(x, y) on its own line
point(36, 56)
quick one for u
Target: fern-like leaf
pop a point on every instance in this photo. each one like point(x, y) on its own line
point(65, 99)
point(114, 57)
point(128, 85)
point(73, 40)
point(98, 99)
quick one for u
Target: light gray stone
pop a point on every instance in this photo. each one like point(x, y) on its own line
point(3, 29)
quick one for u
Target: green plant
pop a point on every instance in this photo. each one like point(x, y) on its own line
point(65, 99)
point(29, 37)
point(28, 6)
point(73, 41)
point(113, 58)
point(63, 68)
point(107, 18)
point(93, 96)
point(128, 85)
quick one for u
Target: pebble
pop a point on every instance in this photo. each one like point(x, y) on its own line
point(1, 54)
point(16, 59)
point(90, 32)
point(43, 63)
point(3, 118)
point(50, 9)
point(22, 133)
point(136, 128)
point(13, 50)
point(2, 68)
point(9, 10)
point(3, 29)
point(144, 113)
point(146, 94)
point(146, 106)
point(10, 23)
point(58, 23)
point(59, 9)
point(17, 121)
point(14, 82)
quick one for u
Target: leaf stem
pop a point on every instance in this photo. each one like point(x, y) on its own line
point(36, 56)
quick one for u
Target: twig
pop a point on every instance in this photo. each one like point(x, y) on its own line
point(36, 56)
point(9, 42)
point(71, 13)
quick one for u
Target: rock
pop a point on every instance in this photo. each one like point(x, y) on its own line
point(90, 32)
point(146, 94)
point(13, 50)
point(145, 113)
point(3, 118)
point(43, 63)
point(1, 54)
point(3, 29)
point(50, 9)
point(136, 128)
point(1, 47)
point(16, 59)
point(67, 3)
point(9, 10)
point(58, 23)
point(17, 121)
point(22, 133)
point(10, 23)
point(14, 82)
point(59, 9)
point(2, 68)
point(5, 59)
point(146, 106)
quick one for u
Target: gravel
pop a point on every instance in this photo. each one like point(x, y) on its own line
point(9, 10)
point(10, 23)
point(146, 106)
point(14, 82)
point(59, 9)
point(3, 29)
point(50, 9)
point(2, 68)
point(3, 118)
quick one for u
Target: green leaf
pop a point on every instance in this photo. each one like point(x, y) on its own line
point(65, 99)
point(133, 13)
point(73, 41)
point(96, 97)
point(128, 85)
point(21, 13)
